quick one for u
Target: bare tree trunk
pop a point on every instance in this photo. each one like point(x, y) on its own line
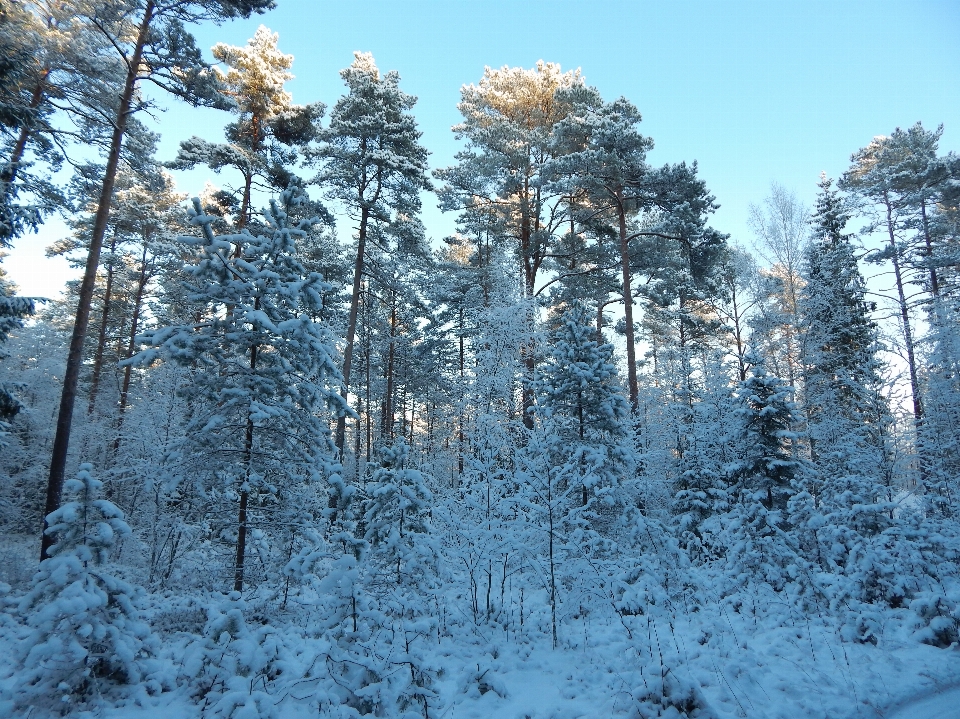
point(738, 338)
point(529, 270)
point(352, 322)
point(102, 336)
point(553, 572)
point(413, 411)
point(244, 217)
point(131, 344)
point(934, 279)
point(369, 403)
point(387, 419)
point(244, 490)
point(628, 304)
point(461, 435)
point(905, 317)
point(71, 376)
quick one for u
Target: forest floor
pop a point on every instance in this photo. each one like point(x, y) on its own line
point(716, 663)
point(752, 654)
point(939, 705)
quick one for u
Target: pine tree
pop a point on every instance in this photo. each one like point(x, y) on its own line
point(873, 177)
point(86, 634)
point(371, 160)
point(501, 178)
point(509, 119)
point(152, 44)
point(263, 142)
point(606, 160)
point(265, 375)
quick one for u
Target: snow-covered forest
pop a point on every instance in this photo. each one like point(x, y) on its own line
point(281, 451)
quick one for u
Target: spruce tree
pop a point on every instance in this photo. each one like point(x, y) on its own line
point(845, 493)
point(581, 401)
point(761, 483)
point(766, 415)
point(573, 472)
point(842, 375)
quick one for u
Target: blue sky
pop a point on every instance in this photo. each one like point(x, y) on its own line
point(754, 91)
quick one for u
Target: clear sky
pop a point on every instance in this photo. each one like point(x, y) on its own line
point(754, 91)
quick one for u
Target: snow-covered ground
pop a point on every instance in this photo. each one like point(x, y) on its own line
point(938, 705)
point(726, 660)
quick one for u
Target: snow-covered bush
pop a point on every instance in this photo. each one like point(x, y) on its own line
point(232, 670)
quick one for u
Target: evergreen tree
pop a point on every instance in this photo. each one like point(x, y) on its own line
point(263, 142)
point(509, 121)
point(873, 177)
point(502, 176)
point(12, 311)
point(153, 45)
point(265, 375)
point(606, 159)
point(710, 448)
point(754, 531)
point(573, 472)
point(372, 161)
point(403, 565)
point(585, 409)
point(842, 373)
point(766, 467)
point(397, 527)
point(86, 634)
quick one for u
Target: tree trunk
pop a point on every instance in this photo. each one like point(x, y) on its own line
point(352, 322)
point(553, 564)
point(905, 317)
point(9, 173)
point(928, 242)
point(368, 349)
point(71, 376)
point(131, 344)
point(461, 435)
point(241, 533)
point(628, 304)
point(244, 489)
point(387, 419)
point(738, 337)
point(102, 336)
